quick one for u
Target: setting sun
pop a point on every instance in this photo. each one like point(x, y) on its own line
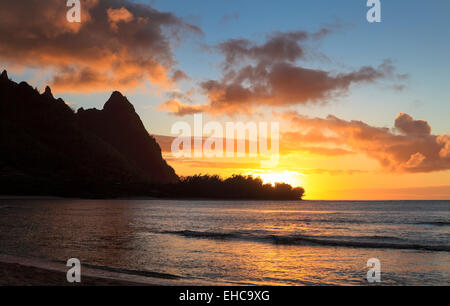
point(293, 178)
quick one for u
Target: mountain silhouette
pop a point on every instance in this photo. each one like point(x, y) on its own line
point(47, 148)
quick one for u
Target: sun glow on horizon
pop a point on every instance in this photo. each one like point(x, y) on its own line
point(293, 178)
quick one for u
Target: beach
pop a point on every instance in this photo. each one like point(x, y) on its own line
point(19, 275)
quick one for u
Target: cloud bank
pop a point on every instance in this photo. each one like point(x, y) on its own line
point(118, 44)
point(409, 147)
point(269, 74)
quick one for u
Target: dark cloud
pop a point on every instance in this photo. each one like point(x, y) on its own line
point(407, 125)
point(281, 84)
point(119, 44)
point(269, 74)
point(179, 75)
point(278, 47)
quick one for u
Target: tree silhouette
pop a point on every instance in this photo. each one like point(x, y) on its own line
point(232, 188)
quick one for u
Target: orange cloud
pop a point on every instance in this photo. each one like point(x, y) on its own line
point(412, 149)
point(118, 44)
point(445, 142)
point(119, 15)
point(176, 107)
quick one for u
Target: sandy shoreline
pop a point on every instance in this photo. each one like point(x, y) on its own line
point(16, 271)
point(20, 275)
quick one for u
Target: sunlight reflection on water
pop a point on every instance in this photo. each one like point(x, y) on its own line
point(257, 243)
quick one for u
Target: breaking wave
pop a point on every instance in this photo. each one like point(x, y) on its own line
point(373, 242)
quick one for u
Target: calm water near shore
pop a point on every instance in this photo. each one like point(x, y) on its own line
point(240, 242)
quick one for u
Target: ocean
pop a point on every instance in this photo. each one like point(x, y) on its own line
point(236, 242)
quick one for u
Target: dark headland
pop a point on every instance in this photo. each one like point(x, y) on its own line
point(48, 149)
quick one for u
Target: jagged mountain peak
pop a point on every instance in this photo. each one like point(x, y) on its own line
point(4, 75)
point(118, 102)
point(48, 92)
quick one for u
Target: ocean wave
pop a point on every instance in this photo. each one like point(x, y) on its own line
point(373, 242)
point(299, 240)
point(437, 223)
point(212, 235)
point(354, 221)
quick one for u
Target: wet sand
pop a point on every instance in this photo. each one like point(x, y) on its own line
point(12, 274)
point(21, 271)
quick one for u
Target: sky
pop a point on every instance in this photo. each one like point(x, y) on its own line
point(363, 107)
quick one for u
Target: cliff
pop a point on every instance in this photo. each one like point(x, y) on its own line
point(47, 148)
